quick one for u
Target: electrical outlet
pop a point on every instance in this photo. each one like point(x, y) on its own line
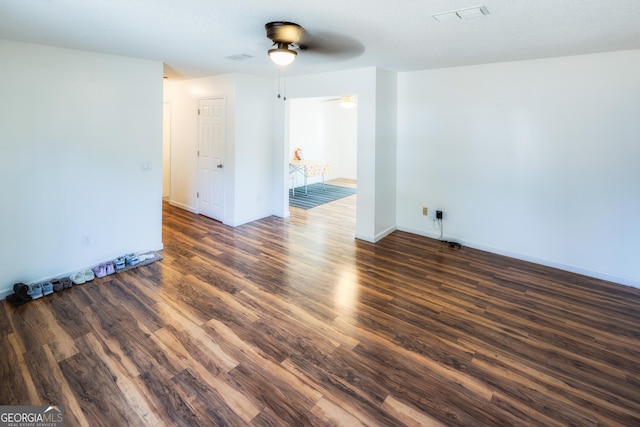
point(86, 240)
point(425, 211)
point(438, 214)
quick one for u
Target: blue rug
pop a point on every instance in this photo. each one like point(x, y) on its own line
point(317, 195)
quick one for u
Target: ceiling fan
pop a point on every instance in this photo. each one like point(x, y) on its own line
point(283, 35)
point(346, 101)
point(288, 38)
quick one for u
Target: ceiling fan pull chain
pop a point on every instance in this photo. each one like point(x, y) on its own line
point(279, 80)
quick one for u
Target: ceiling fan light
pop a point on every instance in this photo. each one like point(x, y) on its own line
point(347, 102)
point(282, 56)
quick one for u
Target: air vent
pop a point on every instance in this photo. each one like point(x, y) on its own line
point(468, 13)
point(239, 57)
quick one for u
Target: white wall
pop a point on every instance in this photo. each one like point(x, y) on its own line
point(327, 133)
point(248, 146)
point(386, 124)
point(75, 129)
point(342, 137)
point(535, 159)
point(254, 149)
point(166, 150)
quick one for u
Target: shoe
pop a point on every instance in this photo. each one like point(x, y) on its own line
point(20, 295)
point(61, 283)
point(146, 257)
point(47, 288)
point(35, 290)
point(88, 275)
point(100, 270)
point(109, 268)
point(78, 278)
point(132, 259)
point(66, 283)
point(16, 300)
point(119, 262)
point(57, 284)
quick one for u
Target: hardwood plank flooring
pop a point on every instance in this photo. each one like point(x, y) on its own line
point(293, 322)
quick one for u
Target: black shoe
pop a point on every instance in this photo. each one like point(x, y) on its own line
point(22, 291)
point(21, 295)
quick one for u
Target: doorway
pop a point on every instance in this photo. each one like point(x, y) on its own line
point(211, 141)
point(323, 131)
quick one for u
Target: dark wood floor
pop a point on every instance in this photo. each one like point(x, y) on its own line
point(293, 322)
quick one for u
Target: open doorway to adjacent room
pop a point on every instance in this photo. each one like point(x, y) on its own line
point(322, 150)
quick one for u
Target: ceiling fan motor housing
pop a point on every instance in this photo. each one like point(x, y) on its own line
point(283, 32)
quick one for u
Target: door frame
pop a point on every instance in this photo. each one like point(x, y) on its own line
point(166, 149)
point(224, 154)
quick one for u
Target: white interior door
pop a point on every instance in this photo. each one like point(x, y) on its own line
point(211, 135)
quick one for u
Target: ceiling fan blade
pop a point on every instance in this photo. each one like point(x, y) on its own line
point(338, 46)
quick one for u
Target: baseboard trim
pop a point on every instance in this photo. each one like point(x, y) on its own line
point(183, 206)
point(384, 234)
point(4, 293)
point(365, 238)
point(377, 237)
point(547, 263)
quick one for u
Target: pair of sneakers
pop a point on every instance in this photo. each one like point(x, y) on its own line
point(61, 284)
point(104, 269)
point(39, 290)
point(128, 259)
point(82, 277)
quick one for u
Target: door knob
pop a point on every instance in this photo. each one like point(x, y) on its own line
point(219, 166)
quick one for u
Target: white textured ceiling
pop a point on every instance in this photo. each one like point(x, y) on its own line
point(194, 37)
